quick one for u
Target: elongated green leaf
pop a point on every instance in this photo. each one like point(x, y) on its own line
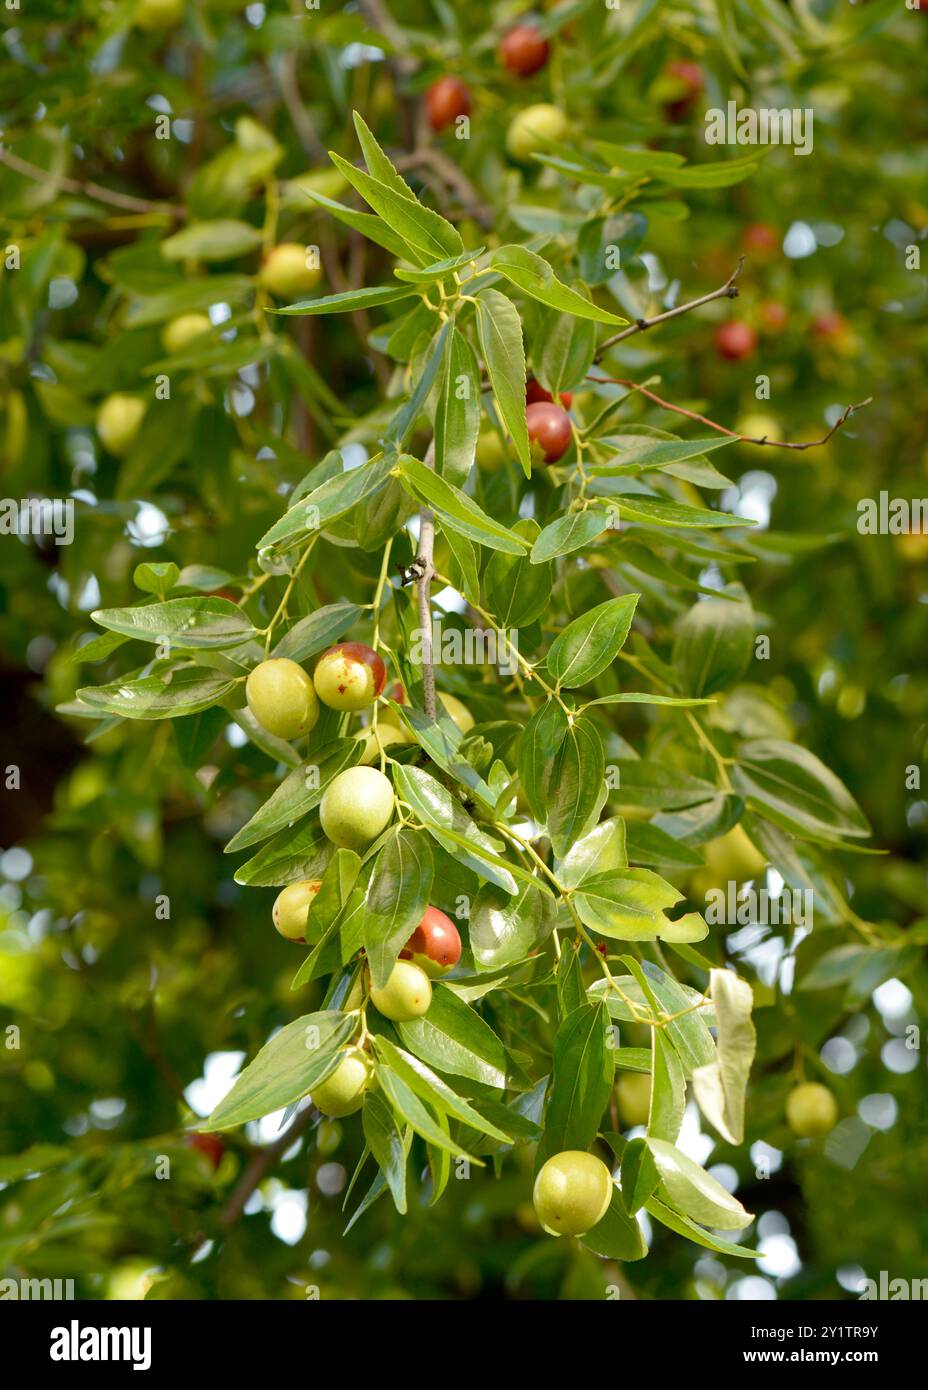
point(349, 301)
point(591, 642)
point(294, 853)
point(720, 1087)
point(367, 223)
point(181, 622)
point(500, 331)
point(386, 1144)
point(217, 240)
point(571, 532)
point(517, 591)
point(539, 749)
point(685, 1227)
point(404, 1099)
point(659, 511)
point(626, 904)
point(396, 898)
point(300, 1055)
point(456, 509)
point(431, 1088)
point(795, 789)
point(534, 276)
point(581, 1082)
point(457, 415)
point(319, 630)
point(714, 644)
point(168, 695)
point(446, 819)
point(639, 1175)
point(694, 1192)
point(646, 783)
point(577, 788)
point(419, 226)
point(599, 852)
point(504, 928)
point(668, 1090)
point(618, 1236)
point(297, 794)
point(453, 1038)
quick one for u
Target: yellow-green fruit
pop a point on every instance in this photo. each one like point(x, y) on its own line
point(572, 1193)
point(491, 451)
point(633, 1093)
point(180, 331)
point(389, 734)
point(530, 130)
point(291, 907)
point(733, 857)
point(406, 995)
point(158, 14)
point(287, 271)
point(457, 711)
point(356, 806)
point(342, 1092)
point(811, 1110)
point(758, 424)
point(118, 421)
point(281, 697)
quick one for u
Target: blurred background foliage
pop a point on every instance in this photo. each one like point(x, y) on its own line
point(118, 1024)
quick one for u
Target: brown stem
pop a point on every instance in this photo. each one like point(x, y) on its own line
point(727, 291)
point(723, 429)
point(126, 201)
point(426, 569)
point(260, 1165)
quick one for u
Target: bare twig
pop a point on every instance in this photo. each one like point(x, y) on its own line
point(424, 569)
point(260, 1165)
point(126, 201)
point(723, 429)
point(727, 291)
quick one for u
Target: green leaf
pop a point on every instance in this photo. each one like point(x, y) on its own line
point(286, 1069)
point(684, 1227)
point(404, 1100)
point(646, 783)
point(714, 644)
point(422, 228)
point(427, 369)
point(457, 415)
point(317, 631)
point(599, 852)
point(297, 794)
point(182, 690)
point(618, 1236)
point(439, 270)
point(453, 1038)
point(626, 904)
point(187, 297)
point(156, 578)
point(292, 854)
point(688, 1030)
point(648, 844)
point(369, 225)
point(668, 1090)
point(694, 1192)
point(722, 174)
point(563, 347)
point(326, 503)
point(397, 896)
point(639, 1175)
point(430, 1087)
point(720, 1087)
point(577, 786)
point(456, 509)
point(582, 1074)
point(348, 301)
point(539, 749)
point(591, 642)
point(219, 240)
point(515, 589)
point(658, 511)
point(796, 790)
point(571, 532)
point(386, 1144)
point(505, 928)
point(534, 276)
point(181, 622)
point(445, 818)
point(500, 331)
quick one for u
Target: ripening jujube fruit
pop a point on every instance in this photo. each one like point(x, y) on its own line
point(761, 240)
point(356, 807)
point(406, 995)
point(291, 907)
point(524, 50)
point(435, 945)
point(180, 331)
point(531, 130)
point(633, 1095)
point(209, 1145)
point(390, 735)
point(282, 698)
point(457, 712)
point(349, 676)
point(342, 1091)
point(811, 1110)
point(548, 429)
point(491, 451)
point(118, 421)
point(772, 316)
point(687, 80)
point(445, 100)
point(287, 271)
point(572, 1193)
point(158, 14)
point(735, 340)
point(535, 392)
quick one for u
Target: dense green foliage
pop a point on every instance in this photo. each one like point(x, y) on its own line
point(706, 640)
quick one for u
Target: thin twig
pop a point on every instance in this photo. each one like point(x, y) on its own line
point(846, 414)
point(727, 291)
point(126, 201)
point(260, 1165)
point(425, 569)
